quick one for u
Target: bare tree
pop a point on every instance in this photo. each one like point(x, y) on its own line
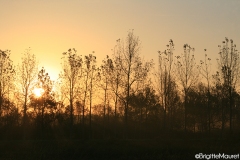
point(7, 75)
point(72, 70)
point(27, 74)
point(133, 70)
point(44, 103)
point(89, 70)
point(93, 79)
point(115, 81)
point(229, 67)
point(165, 78)
point(188, 73)
point(106, 75)
point(206, 72)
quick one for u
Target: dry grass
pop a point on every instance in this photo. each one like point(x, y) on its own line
point(161, 148)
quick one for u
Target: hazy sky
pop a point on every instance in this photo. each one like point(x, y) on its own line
point(51, 27)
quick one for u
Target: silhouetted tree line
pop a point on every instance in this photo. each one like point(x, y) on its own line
point(124, 97)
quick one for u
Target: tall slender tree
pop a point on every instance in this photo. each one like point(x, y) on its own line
point(206, 72)
point(72, 70)
point(165, 78)
point(89, 69)
point(44, 103)
point(93, 79)
point(106, 74)
point(188, 73)
point(27, 75)
point(229, 69)
point(7, 74)
point(133, 70)
point(116, 80)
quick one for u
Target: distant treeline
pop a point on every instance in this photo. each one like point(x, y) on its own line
point(124, 97)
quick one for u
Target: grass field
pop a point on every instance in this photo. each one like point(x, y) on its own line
point(140, 149)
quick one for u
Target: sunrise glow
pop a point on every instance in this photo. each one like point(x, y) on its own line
point(38, 92)
point(119, 79)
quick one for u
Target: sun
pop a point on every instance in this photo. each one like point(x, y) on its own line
point(38, 92)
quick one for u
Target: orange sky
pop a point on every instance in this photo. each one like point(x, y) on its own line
point(52, 27)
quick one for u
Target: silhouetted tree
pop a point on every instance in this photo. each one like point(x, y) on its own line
point(145, 109)
point(198, 108)
point(229, 68)
point(10, 115)
point(27, 74)
point(165, 78)
point(94, 76)
point(88, 75)
point(206, 72)
point(116, 80)
point(7, 75)
point(219, 102)
point(133, 70)
point(44, 105)
point(72, 70)
point(106, 75)
point(188, 73)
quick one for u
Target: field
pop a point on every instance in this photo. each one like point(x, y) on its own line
point(177, 147)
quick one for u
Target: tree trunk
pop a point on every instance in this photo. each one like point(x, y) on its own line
point(209, 112)
point(185, 112)
point(230, 115)
point(90, 106)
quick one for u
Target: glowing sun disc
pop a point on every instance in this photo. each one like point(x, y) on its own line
point(38, 92)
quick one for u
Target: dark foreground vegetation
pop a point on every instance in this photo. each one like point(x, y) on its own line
point(121, 109)
point(57, 143)
point(167, 146)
